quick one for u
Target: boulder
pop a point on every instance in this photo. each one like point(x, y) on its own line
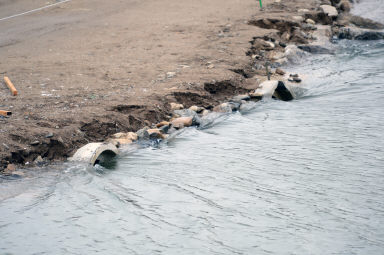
point(182, 122)
point(329, 10)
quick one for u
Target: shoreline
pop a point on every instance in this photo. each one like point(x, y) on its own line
point(278, 29)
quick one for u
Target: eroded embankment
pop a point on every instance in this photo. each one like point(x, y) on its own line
point(285, 27)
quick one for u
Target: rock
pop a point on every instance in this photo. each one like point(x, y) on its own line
point(294, 79)
point(189, 113)
point(315, 49)
point(224, 107)
point(123, 138)
point(120, 141)
point(282, 44)
point(34, 143)
point(310, 21)
point(269, 45)
point(281, 61)
point(182, 122)
point(130, 136)
point(49, 135)
point(276, 55)
point(142, 134)
point(155, 134)
point(326, 2)
point(235, 106)
point(185, 113)
point(171, 75)
point(286, 36)
point(205, 112)
point(298, 18)
point(266, 89)
point(161, 124)
point(39, 161)
point(240, 98)
point(294, 54)
point(263, 45)
point(345, 6)
point(10, 168)
point(303, 10)
point(329, 10)
point(280, 71)
point(164, 129)
point(281, 92)
point(175, 106)
point(197, 109)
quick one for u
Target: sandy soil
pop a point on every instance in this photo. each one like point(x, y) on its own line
point(87, 69)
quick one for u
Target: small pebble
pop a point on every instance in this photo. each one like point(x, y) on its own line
point(35, 143)
point(50, 135)
point(280, 71)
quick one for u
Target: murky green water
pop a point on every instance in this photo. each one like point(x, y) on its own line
point(300, 177)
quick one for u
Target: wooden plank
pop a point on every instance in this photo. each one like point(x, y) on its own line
point(10, 86)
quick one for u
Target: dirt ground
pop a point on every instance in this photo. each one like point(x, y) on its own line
point(87, 69)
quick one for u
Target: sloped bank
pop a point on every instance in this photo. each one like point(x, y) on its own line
point(94, 153)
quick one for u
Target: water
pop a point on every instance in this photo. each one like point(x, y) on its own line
point(300, 177)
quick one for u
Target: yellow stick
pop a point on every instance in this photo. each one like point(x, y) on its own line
point(10, 86)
